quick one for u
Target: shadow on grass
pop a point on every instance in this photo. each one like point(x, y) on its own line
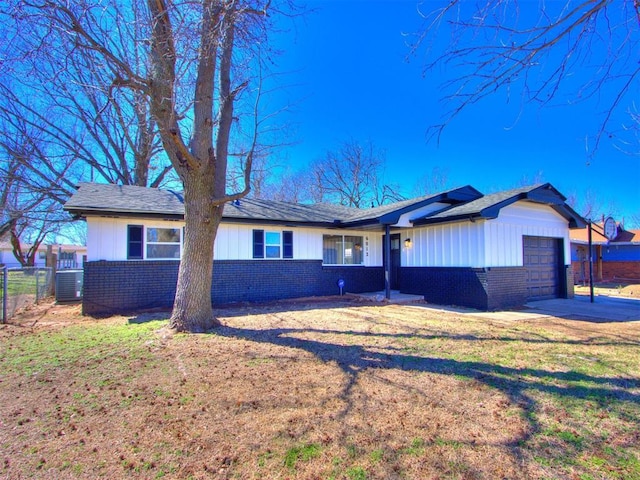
point(150, 316)
point(516, 383)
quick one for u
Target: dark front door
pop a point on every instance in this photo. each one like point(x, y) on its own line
point(394, 264)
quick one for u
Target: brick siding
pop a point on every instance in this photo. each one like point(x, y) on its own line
point(612, 270)
point(569, 276)
point(264, 280)
point(507, 287)
point(125, 286)
point(482, 288)
point(580, 271)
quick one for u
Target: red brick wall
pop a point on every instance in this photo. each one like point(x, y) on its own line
point(621, 270)
point(581, 272)
point(610, 271)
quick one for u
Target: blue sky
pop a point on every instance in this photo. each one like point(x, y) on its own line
point(349, 79)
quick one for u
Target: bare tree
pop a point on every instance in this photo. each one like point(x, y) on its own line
point(199, 70)
point(293, 186)
point(532, 50)
point(630, 144)
point(73, 99)
point(526, 180)
point(590, 205)
point(35, 181)
point(32, 228)
point(62, 103)
point(262, 174)
point(353, 176)
point(433, 182)
point(633, 222)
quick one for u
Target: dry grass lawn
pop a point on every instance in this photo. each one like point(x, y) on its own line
point(319, 389)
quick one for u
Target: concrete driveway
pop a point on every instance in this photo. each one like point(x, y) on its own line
point(604, 308)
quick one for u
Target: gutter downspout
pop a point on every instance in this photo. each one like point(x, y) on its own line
point(387, 261)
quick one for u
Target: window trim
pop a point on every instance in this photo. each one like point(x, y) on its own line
point(143, 243)
point(267, 244)
point(259, 244)
point(342, 243)
point(147, 242)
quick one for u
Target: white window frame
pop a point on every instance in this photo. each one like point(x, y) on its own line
point(284, 244)
point(343, 254)
point(147, 243)
point(273, 244)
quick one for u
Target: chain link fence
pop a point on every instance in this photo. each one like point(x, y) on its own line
point(20, 287)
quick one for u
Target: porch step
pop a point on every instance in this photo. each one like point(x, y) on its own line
point(396, 297)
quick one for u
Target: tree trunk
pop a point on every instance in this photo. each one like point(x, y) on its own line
point(192, 310)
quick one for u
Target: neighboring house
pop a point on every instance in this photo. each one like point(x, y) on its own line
point(457, 247)
point(615, 260)
point(68, 256)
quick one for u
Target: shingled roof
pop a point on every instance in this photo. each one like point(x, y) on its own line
point(458, 203)
point(489, 206)
point(118, 200)
point(624, 236)
point(106, 199)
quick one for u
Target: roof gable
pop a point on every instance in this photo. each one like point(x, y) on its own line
point(391, 213)
point(489, 206)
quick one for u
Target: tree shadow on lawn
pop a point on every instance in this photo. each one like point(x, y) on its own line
point(515, 383)
point(353, 301)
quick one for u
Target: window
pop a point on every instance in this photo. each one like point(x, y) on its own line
point(272, 244)
point(341, 250)
point(134, 242)
point(163, 242)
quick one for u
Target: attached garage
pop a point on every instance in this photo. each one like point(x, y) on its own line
point(498, 251)
point(543, 261)
point(458, 247)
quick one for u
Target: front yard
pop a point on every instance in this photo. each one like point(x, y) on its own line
point(332, 389)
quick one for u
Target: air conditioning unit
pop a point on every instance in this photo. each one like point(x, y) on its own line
point(69, 285)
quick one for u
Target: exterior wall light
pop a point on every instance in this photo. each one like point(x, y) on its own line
point(407, 243)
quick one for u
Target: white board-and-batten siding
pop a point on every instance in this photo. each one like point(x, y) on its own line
point(516, 221)
point(107, 239)
point(459, 244)
point(485, 243)
point(235, 242)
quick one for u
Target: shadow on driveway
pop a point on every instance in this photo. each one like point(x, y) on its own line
point(604, 308)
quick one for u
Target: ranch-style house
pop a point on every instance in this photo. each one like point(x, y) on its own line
point(458, 247)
